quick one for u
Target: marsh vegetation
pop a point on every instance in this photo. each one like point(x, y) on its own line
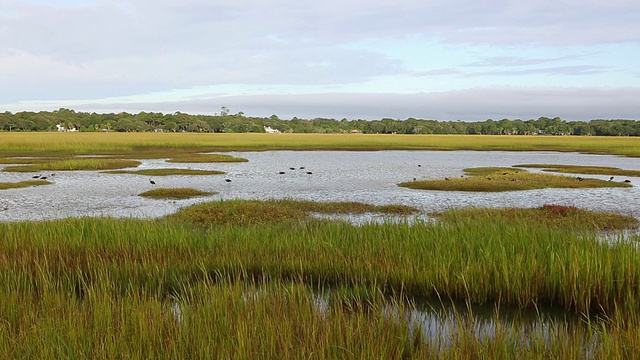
point(22, 184)
point(495, 179)
point(244, 287)
point(174, 193)
point(168, 145)
point(267, 278)
point(166, 172)
point(74, 164)
point(581, 169)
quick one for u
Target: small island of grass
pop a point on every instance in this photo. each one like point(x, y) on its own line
point(75, 164)
point(174, 193)
point(23, 184)
point(239, 212)
point(580, 169)
point(507, 179)
point(204, 158)
point(166, 172)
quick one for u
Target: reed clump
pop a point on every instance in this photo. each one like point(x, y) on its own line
point(166, 172)
point(505, 179)
point(23, 184)
point(175, 193)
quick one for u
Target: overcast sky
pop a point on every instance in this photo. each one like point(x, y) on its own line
point(368, 59)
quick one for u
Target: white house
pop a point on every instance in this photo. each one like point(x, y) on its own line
point(62, 128)
point(269, 130)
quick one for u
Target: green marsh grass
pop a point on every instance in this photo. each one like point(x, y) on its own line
point(175, 193)
point(101, 287)
point(75, 164)
point(166, 145)
point(25, 160)
point(166, 172)
point(505, 179)
point(550, 215)
point(275, 211)
point(23, 184)
point(579, 169)
point(205, 158)
point(489, 170)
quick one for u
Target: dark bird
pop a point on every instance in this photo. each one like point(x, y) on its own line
point(281, 172)
point(627, 181)
point(152, 182)
point(43, 178)
point(579, 178)
point(35, 176)
point(419, 165)
point(292, 168)
point(227, 180)
point(611, 178)
point(309, 172)
point(301, 167)
point(446, 178)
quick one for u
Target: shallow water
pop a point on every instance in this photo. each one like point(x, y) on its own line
point(369, 177)
point(439, 322)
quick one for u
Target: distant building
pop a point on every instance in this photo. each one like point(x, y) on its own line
point(269, 130)
point(63, 129)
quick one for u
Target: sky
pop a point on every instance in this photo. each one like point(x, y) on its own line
point(463, 60)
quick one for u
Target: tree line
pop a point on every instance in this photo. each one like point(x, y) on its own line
point(239, 123)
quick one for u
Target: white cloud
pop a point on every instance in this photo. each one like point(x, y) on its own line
point(93, 49)
point(468, 105)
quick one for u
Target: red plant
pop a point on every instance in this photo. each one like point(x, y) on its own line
point(561, 210)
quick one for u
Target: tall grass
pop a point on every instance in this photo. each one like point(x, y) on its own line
point(108, 287)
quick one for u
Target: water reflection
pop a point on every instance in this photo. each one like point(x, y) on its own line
point(440, 323)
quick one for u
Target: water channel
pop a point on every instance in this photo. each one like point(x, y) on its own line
point(369, 177)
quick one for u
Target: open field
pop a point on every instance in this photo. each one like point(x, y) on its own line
point(159, 145)
point(105, 288)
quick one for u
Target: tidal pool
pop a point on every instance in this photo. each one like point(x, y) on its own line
point(364, 176)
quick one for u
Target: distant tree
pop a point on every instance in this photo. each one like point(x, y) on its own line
point(170, 126)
